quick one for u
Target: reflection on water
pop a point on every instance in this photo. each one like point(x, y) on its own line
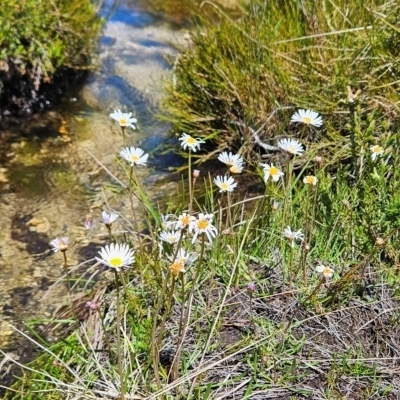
point(180, 11)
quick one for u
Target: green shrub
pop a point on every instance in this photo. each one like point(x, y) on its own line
point(37, 37)
point(285, 54)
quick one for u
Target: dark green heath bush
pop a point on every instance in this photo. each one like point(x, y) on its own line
point(38, 37)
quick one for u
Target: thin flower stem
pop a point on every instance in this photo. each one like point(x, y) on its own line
point(288, 196)
point(119, 350)
point(307, 229)
point(176, 362)
point(108, 226)
point(168, 302)
point(131, 178)
point(142, 199)
point(154, 339)
point(189, 305)
point(123, 135)
point(190, 184)
point(291, 259)
point(229, 211)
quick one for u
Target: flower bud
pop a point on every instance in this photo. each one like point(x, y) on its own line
point(251, 287)
point(318, 160)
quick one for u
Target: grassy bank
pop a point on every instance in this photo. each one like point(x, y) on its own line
point(289, 291)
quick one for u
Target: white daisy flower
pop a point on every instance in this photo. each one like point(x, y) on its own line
point(134, 155)
point(203, 224)
point(183, 257)
point(225, 183)
point(230, 159)
point(89, 221)
point(270, 171)
point(116, 256)
point(307, 117)
point(293, 235)
point(310, 180)
point(170, 237)
point(166, 222)
point(184, 221)
point(190, 142)
point(109, 218)
point(236, 168)
point(124, 119)
point(60, 244)
point(376, 151)
point(292, 146)
point(327, 272)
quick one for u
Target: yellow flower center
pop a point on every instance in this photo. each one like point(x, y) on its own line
point(291, 149)
point(202, 224)
point(123, 122)
point(326, 271)
point(310, 180)
point(116, 262)
point(190, 140)
point(234, 169)
point(376, 149)
point(307, 120)
point(185, 220)
point(134, 158)
point(224, 186)
point(176, 268)
point(273, 171)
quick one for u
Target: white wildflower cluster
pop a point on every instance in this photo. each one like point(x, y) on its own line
point(198, 227)
point(175, 230)
point(174, 227)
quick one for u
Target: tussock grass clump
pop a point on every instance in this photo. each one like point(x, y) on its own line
point(284, 54)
